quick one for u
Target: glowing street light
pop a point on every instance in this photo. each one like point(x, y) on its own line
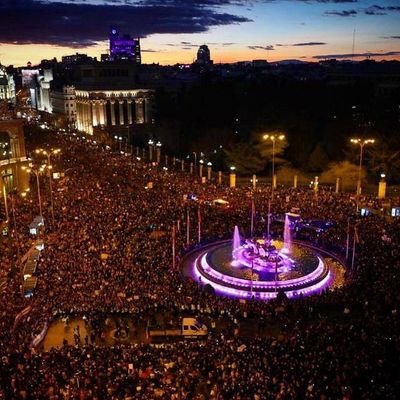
point(151, 144)
point(37, 171)
point(201, 162)
point(48, 154)
point(158, 150)
point(361, 143)
point(232, 177)
point(273, 139)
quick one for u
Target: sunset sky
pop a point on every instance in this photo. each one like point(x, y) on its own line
point(172, 30)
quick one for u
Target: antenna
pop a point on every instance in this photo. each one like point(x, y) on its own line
point(354, 44)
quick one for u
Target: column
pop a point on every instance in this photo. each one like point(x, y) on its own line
point(85, 119)
point(112, 105)
point(129, 104)
point(337, 187)
point(90, 119)
point(104, 105)
point(121, 112)
point(79, 115)
point(316, 184)
point(295, 182)
point(232, 180)
point(94, 114)
point(382, 187)
point(101, 112)
point(147, 110)
point(139, 110)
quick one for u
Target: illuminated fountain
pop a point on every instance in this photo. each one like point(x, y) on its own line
point(236, 239)
point(287, 235)
point(260, 268)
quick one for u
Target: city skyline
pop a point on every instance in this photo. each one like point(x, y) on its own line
point(172, 30)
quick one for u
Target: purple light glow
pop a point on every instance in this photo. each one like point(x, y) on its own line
point(245, 294)
point(264, 285)
point(315, 282)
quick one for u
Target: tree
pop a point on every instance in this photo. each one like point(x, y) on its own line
point(286, 174)
point(384, 156)
point(346, 171)
point(318, 160)
point(245, 158)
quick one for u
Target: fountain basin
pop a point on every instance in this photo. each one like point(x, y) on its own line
point(304, 272)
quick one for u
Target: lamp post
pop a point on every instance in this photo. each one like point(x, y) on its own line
point(151, 144)
point(37, 171)
point(195, 162)
point(209, 165)
point(361, 143)
point(158, 149)
point(273, 139)
point(232, 177)
point(201, 168)
point(48, 154)
point(119, 140)
point(5, 199)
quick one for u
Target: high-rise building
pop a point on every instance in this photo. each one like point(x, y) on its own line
point(203, 55)
point(124, 47)
point(7, 86)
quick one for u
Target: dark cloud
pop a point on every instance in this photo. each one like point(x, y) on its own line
point(380, 10)
point(391, 37)
point(82, 25)
point(343, 13)
point(301, 44)
point(310, 44)
point(348, 56)
point(269, 47)
point(375, 10)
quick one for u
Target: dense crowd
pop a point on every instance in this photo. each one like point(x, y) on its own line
point(109, 251)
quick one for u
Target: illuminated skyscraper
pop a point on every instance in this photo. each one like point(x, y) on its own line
point(124, 47)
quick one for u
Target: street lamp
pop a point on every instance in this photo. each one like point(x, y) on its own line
point(209, 166)
point(151, 144)
point(201, 168)
point(37, 171)
point(232, 177)
point(158, 149)
point(48, 154)
point(361, 143)
point(273, 139)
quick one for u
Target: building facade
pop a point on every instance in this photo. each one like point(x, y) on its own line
point(111, 108)
point(12, 157)
point(38, 82)
point(7, 86)
point(63, 103)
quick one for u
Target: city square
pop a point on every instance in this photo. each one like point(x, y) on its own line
point(201, 230)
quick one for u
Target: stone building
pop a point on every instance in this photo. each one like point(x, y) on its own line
point(12, 157)
point(110, 108)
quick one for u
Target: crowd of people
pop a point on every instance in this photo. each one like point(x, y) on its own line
point(109, 251)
